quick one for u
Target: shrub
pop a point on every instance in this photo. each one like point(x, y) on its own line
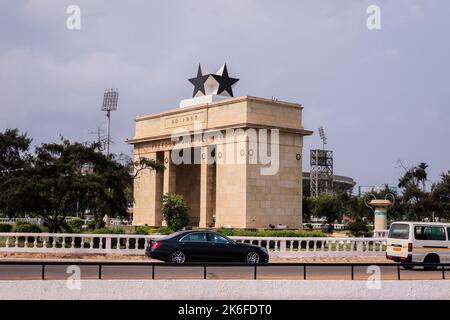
point(110, 230)
point(271, 233)
point(163, 230)
point(91, 224)
point(5, 227)
point(75, 225)
point(175, 211)
point(26, 227)
point(357, 228)
point(141, 230)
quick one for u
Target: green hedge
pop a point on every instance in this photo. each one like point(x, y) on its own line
point(271, 233)
point(109, 230)
point(151, 230)
point(5, 227)
point(26, 227)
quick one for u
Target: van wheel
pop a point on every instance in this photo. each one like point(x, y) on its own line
point(431, 258)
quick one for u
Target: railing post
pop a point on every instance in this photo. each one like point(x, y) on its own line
point(304, 272)
point(204, 272)
point(443, 272)
point(282, 245)
point(359, 246)
point(108, 243)
point(99, 271)
point(254, 272)
point(398, 272)
point(43, 272)
point(153, 271)
point(353, 273)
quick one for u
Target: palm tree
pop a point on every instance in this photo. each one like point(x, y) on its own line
point(420, 174)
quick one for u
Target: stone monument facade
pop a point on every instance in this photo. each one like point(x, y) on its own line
point(236, 161)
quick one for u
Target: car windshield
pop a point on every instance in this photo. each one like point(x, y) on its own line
point(399, 231)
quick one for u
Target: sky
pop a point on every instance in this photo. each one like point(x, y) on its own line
point(381, 95)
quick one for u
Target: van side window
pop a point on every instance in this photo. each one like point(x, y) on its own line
point(448, 233)
point(429, 233)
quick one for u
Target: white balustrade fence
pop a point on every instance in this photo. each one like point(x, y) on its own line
point(135, 244)
point(39, 221)
point(14, 220)
point(317, 226)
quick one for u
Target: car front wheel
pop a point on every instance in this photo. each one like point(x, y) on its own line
point(177, 257)
point(252, 257)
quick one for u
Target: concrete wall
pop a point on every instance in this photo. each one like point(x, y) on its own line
point(277, 199)
point(228, 289)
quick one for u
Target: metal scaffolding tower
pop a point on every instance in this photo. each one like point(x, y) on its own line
point(321, 171)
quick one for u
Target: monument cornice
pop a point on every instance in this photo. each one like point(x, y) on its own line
point(302, 132)
point(219, 104)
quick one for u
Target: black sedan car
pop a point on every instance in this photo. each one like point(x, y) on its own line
point(204, 246)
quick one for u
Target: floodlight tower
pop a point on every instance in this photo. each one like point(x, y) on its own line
point(322, 137)
point(110, 98)
point(321, 176)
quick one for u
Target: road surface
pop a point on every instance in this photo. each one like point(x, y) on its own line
point(24, 272)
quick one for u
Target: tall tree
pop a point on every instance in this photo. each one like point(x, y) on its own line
point(418, 203)
point(14, 159)
point(441, 194)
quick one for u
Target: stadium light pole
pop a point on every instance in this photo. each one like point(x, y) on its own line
point(110, 99)
point(323, 137)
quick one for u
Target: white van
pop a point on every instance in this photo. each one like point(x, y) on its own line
point(419, 242)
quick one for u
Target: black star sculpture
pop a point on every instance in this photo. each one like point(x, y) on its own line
point(225, 82)
point(199, 82)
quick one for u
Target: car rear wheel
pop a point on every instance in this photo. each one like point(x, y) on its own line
point(431, 258)
point(252, 257)
point(177, 257)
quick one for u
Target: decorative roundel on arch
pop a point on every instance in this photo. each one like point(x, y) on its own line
point(166, 160)
point(219, 155)
point(298, 156)
point(250, 152)
point(242, 152)
point(203, 155)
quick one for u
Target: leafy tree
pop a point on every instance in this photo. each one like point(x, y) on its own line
point(13, 148)
point(307, 209)
point(14, 159)
point(441, 195)
point(328, 206)
point(53, 185)
point(418, 203)
point(175, 211)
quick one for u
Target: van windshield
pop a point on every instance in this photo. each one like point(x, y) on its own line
point(399, 231)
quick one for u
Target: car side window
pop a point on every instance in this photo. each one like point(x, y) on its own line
point(429, 233)
point(448, 233)
point(216, 238)
point(198, 236)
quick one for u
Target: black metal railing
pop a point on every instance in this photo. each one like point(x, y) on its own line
point(439, 267)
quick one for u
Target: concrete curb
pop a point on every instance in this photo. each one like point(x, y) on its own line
point(228, 289)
